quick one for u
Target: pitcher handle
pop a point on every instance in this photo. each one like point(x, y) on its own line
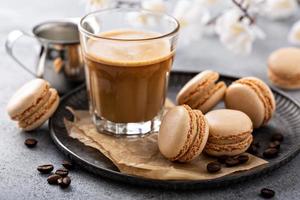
point(13, 36)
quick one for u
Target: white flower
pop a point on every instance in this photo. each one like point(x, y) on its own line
point(154, 5)
point(237, 35)
point(294, 34)
point(93, 5)
point(210, 3)
point(212, 8)
point(190, 17)
point(253, 6)
point(141, 19)
point(277, 9)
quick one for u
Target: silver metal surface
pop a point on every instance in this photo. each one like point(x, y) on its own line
point(60, 61)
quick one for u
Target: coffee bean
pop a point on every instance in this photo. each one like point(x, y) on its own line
point(62, 172)
point(68, 165)
point(52, 179)
point(213, 167)
point(243, 159)
point(253, 150)
point(275, 144)
point(64, 182)
point(222, 159)
point(267, 193)
point(30, 142)
point(45, 169)
point(270, 153)
point(277, 137)
point(231, 162)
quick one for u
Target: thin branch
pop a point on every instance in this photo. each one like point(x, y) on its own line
point(213, 20)
point(244, 10)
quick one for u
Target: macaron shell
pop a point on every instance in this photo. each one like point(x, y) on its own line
point(285, 62)
point(214, 97)
point(177, 132)
point(263, 92)
point(201, 95)
point(195, 84)
point(35, 108)
point(26, 97)
point(228, 126)
point(284, 83)
point(284, 68)
point(228, 149)
point(266, 92)
point(200, 140)
point(43, 114)
point(236, 96)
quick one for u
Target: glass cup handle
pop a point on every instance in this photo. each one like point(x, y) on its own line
point(13, 36)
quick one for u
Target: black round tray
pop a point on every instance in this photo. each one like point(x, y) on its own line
point(286, 121)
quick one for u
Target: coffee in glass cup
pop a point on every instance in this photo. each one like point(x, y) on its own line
point(127, 68)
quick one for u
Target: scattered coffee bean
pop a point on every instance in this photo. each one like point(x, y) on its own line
point(243, 159)
point(52, 179)
point(222, 159)
point(68, 165)
point(45, 169)
point(231, 162)
point(267, 193)
point(277, 137)
point(30, 142)
point(64, 182)
point(62, 172)
point(213, 167)
point(270, 153)
point(253, 150)
point(275, 144)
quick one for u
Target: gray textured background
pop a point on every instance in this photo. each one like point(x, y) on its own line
point(18, 176)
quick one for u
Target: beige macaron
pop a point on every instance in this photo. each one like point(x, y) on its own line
point(253, 97)
point(202, 92)
point(183, 134)
point(284, 68)
point(229, 132)
point(33, 104)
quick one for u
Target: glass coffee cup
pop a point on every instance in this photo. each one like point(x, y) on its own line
point(128, 54)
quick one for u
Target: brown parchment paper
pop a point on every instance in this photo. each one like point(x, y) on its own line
point(141, 156)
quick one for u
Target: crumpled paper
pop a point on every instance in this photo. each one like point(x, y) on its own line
point(141, 156)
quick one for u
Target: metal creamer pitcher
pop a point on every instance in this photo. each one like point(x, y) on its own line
point(60, 61)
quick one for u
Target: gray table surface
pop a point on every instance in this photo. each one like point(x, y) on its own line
point(18, 176)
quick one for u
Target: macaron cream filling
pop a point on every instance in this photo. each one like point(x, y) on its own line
point(230, 147)
point(187, 153)
point(209, 93)
point(208, 81)
point(33, 106)
point(190, 136)
point(40, 112)
point(284, 80)
point(229, 139)
point(40, 103)
point(200, 139)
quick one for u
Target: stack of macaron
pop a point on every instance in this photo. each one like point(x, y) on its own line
point(185, 133)
point(249, 104)
point(33, 104)
point(284, 68)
